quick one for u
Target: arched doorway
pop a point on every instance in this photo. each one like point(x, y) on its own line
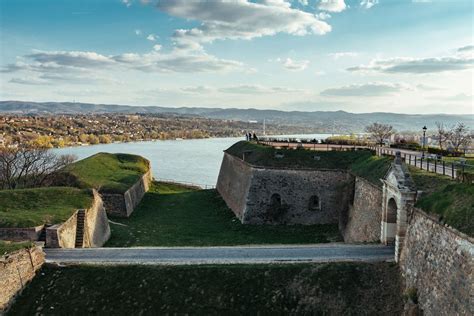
point(275, 207)
point(389, 222)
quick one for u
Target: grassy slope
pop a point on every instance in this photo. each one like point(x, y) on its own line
point(316, 289)
point(7, 247)
point(453, 201)
point(109, 172)
point(171, 215)
point(361, 163)
point(32, 207)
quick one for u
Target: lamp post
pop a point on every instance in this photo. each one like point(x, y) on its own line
point(424, 141)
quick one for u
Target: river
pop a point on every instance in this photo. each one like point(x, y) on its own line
point(195, 160)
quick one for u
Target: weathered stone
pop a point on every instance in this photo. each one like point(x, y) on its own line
point(122, 205)
point(16, 270)
point(438, 261)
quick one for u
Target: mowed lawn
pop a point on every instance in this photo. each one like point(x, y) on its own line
point(173, 215)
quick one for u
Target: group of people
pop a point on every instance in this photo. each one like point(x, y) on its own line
point(249, 137)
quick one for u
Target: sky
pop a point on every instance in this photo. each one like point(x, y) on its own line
point(403, 56)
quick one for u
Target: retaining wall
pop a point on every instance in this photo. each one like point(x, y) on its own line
point(16, 270)
point(362, 222)
point(96, 228)
point(122, 205)
point(21, 234)
point(248, 191)
point(438, 261)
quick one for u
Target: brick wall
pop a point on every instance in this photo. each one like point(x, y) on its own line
point(438, 261)
point(16, 270)
point(362, 222)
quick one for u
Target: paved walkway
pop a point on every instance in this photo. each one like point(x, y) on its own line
point(210, 255)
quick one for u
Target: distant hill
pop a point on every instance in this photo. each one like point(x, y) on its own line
point(322, 121)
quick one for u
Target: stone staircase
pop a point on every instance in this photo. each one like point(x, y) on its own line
point(80, 228)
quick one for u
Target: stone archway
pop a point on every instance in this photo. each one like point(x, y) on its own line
point(399, 194)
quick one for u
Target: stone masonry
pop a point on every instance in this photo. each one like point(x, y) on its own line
point(439, 262)
point(16, 270)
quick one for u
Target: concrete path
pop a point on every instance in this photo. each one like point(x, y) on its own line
point(210, 255)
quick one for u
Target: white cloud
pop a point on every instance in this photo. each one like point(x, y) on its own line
point(373, 89)
point(240, 20)
point(177, 60)
point(466, 48)
point(338, 55)
point(128, 3)
point(138, 32)
point(29, 81)
point(323, 15)
point(367, 4)
point(417, 65)
point(293, 65)
point(421, 1)
point(332, 5)
point(257, 89)
point(152, 37)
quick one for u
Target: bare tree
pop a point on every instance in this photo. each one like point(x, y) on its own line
point(379, 131)
point(442, 134)
point(25, 166)
point(459, 136)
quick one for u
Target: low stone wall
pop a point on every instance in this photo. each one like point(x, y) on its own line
point(62, 235)
point(362, 222)
point(21, 234)
point(122, 205)
point(96, 228)
point(283, 196)
point(16, 270)
point(439, 262)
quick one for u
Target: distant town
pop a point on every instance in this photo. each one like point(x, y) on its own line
point(89, 129)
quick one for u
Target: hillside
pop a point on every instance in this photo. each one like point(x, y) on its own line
point(322, 121)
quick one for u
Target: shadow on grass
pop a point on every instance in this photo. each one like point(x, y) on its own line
point(171, 215)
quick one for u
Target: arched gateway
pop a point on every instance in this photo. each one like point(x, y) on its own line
point(398, 193)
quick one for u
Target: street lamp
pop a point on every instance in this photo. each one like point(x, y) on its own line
point(424, 141)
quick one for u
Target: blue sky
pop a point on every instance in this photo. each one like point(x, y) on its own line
point(406, 56)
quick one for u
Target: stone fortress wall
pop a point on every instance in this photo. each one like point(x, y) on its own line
point(438, 261)
point(435, 259)
point(362, 221)
point(16, 270)
point(122, 205)
point(283, 196)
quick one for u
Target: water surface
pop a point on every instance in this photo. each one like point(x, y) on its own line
point(194, 160)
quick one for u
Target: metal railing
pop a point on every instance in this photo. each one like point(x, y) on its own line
point(186, 183)
point(435, 165)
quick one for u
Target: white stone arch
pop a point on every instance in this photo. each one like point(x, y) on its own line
point(398, 194)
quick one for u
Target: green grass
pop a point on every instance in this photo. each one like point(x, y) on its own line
point(362, 163)
point(33, 207)
point(262, 155)
point(311, 289)
point(172, 215)
point(453, 201)
point(111, 173)
point(372, 168)
point(7, 247)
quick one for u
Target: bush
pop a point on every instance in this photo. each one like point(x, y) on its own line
point(443, 152)
point(406, 145)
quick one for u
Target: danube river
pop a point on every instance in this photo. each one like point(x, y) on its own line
point(195, 160)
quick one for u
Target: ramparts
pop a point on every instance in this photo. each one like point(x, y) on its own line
point(260, 195)
point(16, 270)
point(362, 222)
point(96, 228)
point(122, 205)
point(438, 261)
